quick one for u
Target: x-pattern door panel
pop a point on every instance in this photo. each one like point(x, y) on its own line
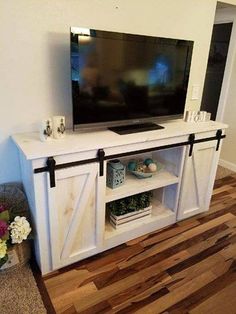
point(73, 204)
point(198, 174)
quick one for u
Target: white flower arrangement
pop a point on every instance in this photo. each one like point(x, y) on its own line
point(13, 230)
point(19, 229)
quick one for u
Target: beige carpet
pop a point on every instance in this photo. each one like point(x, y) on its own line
point(19, 293)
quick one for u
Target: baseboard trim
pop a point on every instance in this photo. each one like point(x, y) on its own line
point(227, 164)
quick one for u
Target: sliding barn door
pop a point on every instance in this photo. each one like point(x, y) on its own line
point(75, 228)
point(198, 179)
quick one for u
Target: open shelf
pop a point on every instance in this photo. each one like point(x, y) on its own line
point(164, 185)
point(134, 185)
point(159, 218)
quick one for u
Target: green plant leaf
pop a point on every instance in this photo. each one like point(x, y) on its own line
point(130, 204)
point(4, 216)
point(5, 237)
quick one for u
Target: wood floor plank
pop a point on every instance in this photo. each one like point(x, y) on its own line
point(141, 300)
point(113, 289)
point(172, 232)
point(116, 257)
point(70, 310)
point(215, 304)
point(211, 241)
point(228, 275)
point(197, 252)
point(138, 240)
point(220, 189)
point(74, 279)
point(68, 299)
point(129, 282)
point(177, 240)
point(226, 180)
point(178, 294)
point(187, 274)
point(100, 308)
point(65, 282)
point(209, 225)
point(105, 280)
point(226, 208)
point(231, 223)
point(229, 252)
point(140, 291)
point(175, 281)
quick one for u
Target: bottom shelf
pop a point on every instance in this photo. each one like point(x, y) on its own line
point(159, 218)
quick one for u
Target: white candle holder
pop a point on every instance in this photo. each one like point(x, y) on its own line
point(197, 116)
point(59, 127)
point(46, 130)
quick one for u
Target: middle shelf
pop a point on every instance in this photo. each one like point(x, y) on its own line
point(134, 185)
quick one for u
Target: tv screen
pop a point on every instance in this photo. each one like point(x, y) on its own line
point(125, 77)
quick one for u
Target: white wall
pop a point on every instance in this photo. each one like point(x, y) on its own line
point(227, 101)
point(228, 153)
point(34, 53)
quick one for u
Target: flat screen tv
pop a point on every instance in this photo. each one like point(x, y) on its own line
point(120, 78)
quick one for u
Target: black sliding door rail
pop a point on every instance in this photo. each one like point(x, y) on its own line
point(51, 165)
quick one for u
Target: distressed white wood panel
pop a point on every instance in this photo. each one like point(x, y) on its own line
point(199, 172)
point(171, 159)
point(72, 213)
point(35, 189)
point(133, 185)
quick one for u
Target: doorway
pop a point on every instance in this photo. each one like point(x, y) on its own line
point(216, 67)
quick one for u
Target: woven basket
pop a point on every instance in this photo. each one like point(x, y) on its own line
point(23, 253)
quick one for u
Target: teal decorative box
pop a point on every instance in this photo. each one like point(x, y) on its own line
point(115, 173)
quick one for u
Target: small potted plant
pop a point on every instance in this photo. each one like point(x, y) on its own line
point(13, 231)
point(128, 209)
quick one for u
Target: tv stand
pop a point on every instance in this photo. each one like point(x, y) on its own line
point(65, 183)
point(135, 128)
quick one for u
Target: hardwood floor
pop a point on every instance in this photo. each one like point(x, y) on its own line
point(189, 267)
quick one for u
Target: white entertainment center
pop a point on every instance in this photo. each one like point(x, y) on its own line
point(65, 182)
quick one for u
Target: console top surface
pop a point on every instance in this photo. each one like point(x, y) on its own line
point(74, 142)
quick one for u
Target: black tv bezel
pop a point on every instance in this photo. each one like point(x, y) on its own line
point(135, 37)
